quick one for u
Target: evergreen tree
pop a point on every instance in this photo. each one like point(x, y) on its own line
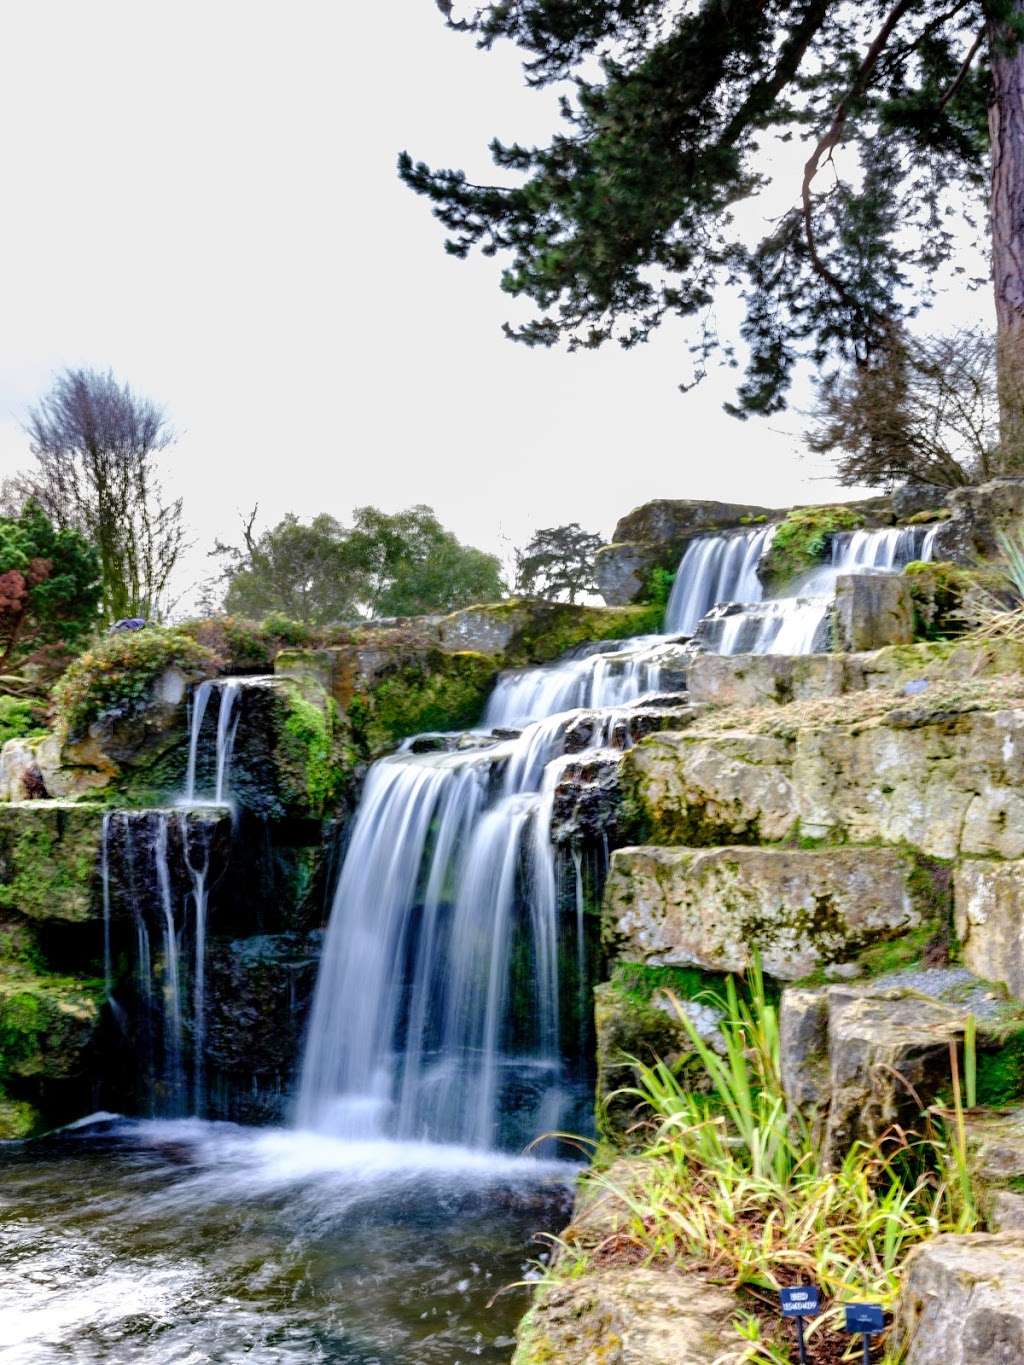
point(558, 563)
point(912, 111)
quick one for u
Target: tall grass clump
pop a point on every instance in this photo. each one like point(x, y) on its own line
point(735, 1187)
point(1000, 616)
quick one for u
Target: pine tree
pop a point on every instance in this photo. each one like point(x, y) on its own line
point(912, 112)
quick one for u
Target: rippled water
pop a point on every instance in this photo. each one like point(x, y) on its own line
point(183, 1242)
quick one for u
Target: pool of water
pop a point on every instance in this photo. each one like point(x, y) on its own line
point(183, 1242)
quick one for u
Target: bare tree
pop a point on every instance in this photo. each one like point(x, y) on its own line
point(96, 445)
point(925, 410)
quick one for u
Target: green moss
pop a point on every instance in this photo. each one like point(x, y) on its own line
point(307, 749)
point(18, 1119)
point(801, 540)
point(117, 677)
point(438, 691)
point(46, 1023)
point(637, 982)
point(1001, 1067)
point(552, 629)
point(49, 855)
point(659, 589)
point(20, 720)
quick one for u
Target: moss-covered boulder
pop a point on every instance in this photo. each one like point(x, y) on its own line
point(802, 540)
point(946, 596)
point(292, 755)
point(858, 1058)
point(438, 691)
point(50, 858)
point(48, 1027)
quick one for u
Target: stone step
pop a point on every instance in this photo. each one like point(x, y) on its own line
point(797, 909)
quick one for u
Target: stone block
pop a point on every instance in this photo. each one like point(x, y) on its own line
point(963, 1301)
point(988, 900)
point(794, 909)
point(872, 610)
point(631, 1316)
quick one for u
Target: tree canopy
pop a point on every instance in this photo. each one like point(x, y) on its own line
point(385, 564)
point(558, 563)
point(625, 217)
point(50, 589)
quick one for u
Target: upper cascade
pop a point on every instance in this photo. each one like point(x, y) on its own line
point(716, 569)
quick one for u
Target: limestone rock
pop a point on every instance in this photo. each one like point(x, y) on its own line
point(872, 610)
point(946, 783)
point(858, 1058)
point(623, 571)
point(977, 515)
point(963, 1301)
point(777, 679)
point(672, 520)
point(989, 907)
point(796, 909)
point(631, 1316)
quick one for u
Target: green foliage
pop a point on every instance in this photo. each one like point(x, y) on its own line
point(324, 574)
point(49, 588)
point(558, 563)
point(734, 1183)
point(412, 566)
point(659, 588)
point(116, 677)
point(19, 720)
point(303, 573)
point(625, 217)
point(941, 593)
point(800, 541)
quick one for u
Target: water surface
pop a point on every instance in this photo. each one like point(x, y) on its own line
point(183, 1242)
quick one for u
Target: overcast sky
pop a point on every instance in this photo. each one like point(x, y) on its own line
point(203, 197)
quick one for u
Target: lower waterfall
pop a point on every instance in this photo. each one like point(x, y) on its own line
point(438, 1012)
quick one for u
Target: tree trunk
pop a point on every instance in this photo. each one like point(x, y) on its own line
point(1006, 131)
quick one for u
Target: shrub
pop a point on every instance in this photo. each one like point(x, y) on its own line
point(116, 677)
point(19, 720)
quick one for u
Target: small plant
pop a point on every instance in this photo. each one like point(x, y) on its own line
point(19, 719)
point(735, 1185)
point(800, 541)
point(1000, 615)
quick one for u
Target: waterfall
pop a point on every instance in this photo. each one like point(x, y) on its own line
point(227, 691)
point(611, 674)
point(437, 1011)
point(798, 622)
point(154, 868)
point(716, 569)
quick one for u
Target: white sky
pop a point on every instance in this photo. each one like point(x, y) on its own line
point(203, 197)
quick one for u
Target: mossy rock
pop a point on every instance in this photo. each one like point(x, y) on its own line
point(49, 859)
point(802, 540)
point(943, 594)
point(634, 1019)
point(435, 691)
point(47, 1023)
point(18, 1119)
point(554, 629)
point(293, 754)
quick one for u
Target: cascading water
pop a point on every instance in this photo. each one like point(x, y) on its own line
point(716, 569)
point(162, 862)
point(797, 623)
point(438, 1011)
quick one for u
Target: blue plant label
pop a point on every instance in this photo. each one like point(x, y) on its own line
point(865, 1317)
point(800, 1301)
